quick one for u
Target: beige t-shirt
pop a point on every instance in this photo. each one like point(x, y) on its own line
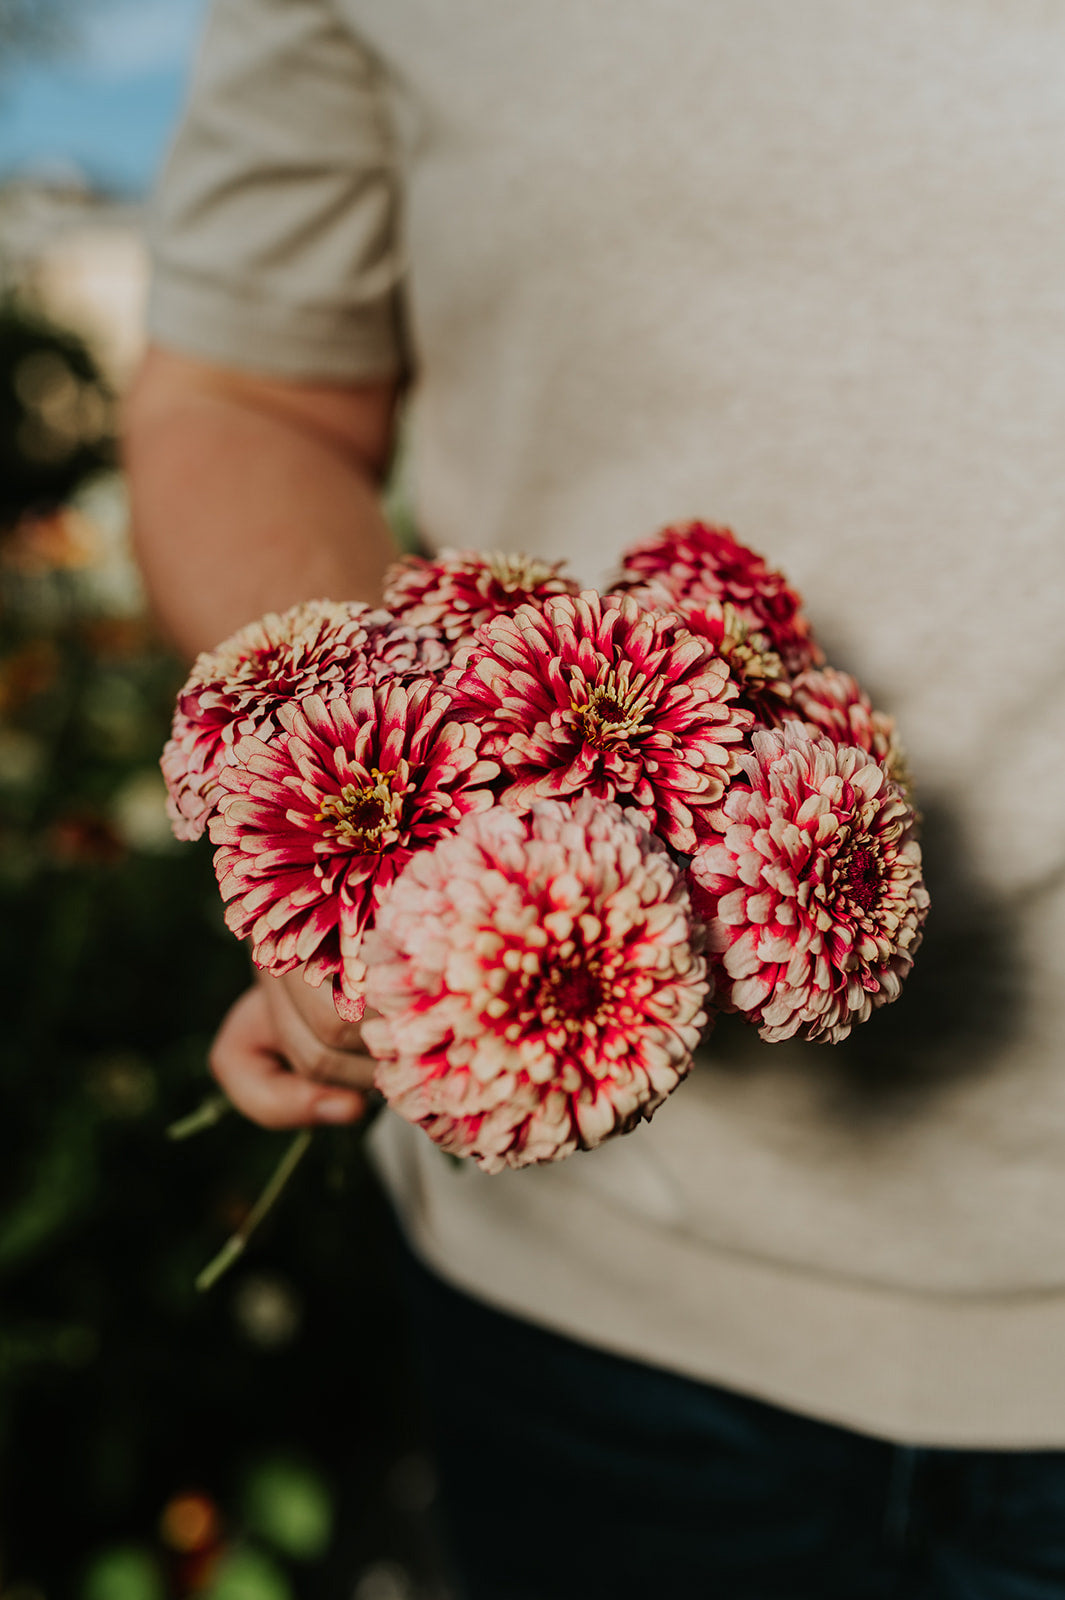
point(797, 268)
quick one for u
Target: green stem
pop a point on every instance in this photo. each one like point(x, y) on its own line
point(206, 1115)
point(234, 1247)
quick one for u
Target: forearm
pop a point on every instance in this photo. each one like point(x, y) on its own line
point(248, 496)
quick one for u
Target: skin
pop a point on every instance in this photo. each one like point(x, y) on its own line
point(248, 494)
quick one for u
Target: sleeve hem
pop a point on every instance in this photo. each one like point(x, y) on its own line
point(254, 335)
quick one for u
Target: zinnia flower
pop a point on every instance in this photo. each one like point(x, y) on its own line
point(763, 686)
point(538, 983)
point(594, 694)
point(461, 589)
point(813, 893)
point(313, 827)
point(697, 562)
point(318, 647)
point(403, 650)
point(833, 704)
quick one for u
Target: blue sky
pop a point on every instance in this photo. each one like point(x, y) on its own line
point(106, 108)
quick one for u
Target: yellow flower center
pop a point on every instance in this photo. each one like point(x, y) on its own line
point(362, 817)
point(613, 711)
point(749, 654)
point(518, 573)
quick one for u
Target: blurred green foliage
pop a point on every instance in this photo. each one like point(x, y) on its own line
point(56, 412)
point(284, 1502)
point(125, 1572)
point(238, 1445)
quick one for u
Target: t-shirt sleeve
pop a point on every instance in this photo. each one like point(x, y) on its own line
point(274, 224)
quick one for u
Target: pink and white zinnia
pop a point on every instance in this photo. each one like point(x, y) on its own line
point(321, 647)
point(697, 562)
point(834, 704)
point(313, 827)
point(538, 981)
point(594, 694)
point(459, 590)
point(813, 893)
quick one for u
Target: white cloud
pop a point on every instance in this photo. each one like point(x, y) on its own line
point(128, 38)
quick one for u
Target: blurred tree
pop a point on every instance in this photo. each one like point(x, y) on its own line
point(260, 1442)
point(56, 413)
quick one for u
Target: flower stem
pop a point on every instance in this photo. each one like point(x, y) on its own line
point(206, 1115)
point(234, 1247)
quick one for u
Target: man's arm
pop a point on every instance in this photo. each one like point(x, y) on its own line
point(250, 494)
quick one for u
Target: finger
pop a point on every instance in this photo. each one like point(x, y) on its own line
point(316, 1008)
point(245, 1061)
point(305, 1052)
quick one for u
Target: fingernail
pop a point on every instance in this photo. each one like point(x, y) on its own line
point(337, 1108)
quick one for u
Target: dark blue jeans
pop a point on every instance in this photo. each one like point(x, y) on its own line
point(568, 1474)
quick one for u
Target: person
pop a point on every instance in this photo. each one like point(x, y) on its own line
point(794, 269)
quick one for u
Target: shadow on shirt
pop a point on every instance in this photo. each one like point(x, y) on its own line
point(961, 1008)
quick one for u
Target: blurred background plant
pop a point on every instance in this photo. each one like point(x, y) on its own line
point(262, 1442)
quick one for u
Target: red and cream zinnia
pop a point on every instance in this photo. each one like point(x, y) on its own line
point(696, 561)
point(459, 590)
point(813, 893)
point(313, 827)
point(318, 647)
point(754, 666)
point(538, 981)
point(595, 694)
point(833, 704)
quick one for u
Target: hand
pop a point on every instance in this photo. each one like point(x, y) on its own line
point(286, 1060)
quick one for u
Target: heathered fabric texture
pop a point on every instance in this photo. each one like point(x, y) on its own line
point(797, 268)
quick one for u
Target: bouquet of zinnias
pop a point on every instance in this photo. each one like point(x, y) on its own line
point(547, 834)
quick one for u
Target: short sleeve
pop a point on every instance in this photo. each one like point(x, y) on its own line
point(274, 224)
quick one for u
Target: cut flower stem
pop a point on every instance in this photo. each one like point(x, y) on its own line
point(234, 1247)
point(212, 1110)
